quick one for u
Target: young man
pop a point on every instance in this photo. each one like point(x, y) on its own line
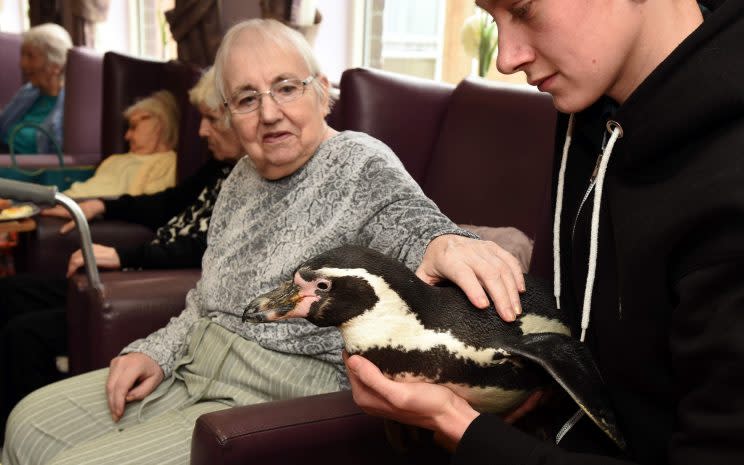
point(650, 234)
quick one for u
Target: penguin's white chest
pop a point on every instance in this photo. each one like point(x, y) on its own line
point(391, 324)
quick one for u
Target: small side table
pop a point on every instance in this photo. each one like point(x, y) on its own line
point(8, 239)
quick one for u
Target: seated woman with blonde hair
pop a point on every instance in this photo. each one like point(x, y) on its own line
point(150, 165)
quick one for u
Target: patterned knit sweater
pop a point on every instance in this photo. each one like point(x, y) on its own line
point(182, 241)
point(354, 190)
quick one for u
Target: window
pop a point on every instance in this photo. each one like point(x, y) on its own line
point(13, 16)
point(421, 38)
point(412, 33)
point(137, 28)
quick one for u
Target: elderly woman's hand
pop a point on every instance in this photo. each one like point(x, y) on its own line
point(131, 377)
point(91, 209)
point(474, 265)
point(106, 258)
point(426, 405)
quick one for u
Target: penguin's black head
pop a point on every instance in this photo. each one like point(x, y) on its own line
point(327, 290)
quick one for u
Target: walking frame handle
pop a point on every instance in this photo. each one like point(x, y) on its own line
point(47, 196)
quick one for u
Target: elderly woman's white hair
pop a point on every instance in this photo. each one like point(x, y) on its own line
point(205, 92)
point(52, 39)
point(161, 104)
point(267, 34)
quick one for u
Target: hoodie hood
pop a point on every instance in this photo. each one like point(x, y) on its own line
point(697, 63)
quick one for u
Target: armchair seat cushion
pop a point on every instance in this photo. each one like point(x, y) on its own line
point(48, 250)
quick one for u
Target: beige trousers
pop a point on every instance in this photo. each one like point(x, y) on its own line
point(69, 422)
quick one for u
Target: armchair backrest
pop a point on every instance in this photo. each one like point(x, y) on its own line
point(10, 57)
point(483, 151)
point(493, 162)
point(404, 112)
point(83, 102)
point(126, 79)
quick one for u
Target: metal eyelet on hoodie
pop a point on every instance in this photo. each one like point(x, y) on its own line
point(612, 125)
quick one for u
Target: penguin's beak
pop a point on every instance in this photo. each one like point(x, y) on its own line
point(274, 304)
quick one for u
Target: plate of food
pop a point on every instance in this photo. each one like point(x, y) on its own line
point(18, 211)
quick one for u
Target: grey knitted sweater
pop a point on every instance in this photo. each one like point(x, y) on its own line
point(354, 190)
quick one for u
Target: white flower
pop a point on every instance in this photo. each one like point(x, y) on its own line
point(479, 38)
point(470, 34)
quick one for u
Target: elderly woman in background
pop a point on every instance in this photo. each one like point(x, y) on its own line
point(150, 165)
point(302, 189)
point(41, 100)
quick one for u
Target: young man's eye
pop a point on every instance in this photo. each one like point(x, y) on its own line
point(522, 10)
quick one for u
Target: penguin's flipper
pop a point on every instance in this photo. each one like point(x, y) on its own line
point(570, 364)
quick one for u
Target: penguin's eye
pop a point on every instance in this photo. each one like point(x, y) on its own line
point(324, 285)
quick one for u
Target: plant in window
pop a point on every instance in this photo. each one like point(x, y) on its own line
point(479, 38)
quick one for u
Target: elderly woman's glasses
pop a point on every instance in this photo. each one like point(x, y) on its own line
point(246, 101)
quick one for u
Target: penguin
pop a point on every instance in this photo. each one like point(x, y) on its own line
point(416, 332)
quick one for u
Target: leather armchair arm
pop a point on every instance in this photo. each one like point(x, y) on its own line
point(45, 250)
point(131, 305)
point(322, 429)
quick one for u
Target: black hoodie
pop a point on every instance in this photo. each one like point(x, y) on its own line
point(667, 318)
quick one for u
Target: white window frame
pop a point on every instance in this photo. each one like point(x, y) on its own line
point(435, 54)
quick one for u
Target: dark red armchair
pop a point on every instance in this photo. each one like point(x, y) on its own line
point(10, 56)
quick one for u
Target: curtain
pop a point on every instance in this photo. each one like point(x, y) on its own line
point(80, 18)
point(77, 16)
point(196, 27)
point(44, 11)
point(284, 10)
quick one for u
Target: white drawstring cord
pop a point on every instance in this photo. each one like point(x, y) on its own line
point(617, 132)
point(558, 212)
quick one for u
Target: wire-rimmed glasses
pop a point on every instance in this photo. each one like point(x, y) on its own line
point(246, 101)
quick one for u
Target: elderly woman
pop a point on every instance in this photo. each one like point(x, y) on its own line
point(32, 307)
point(302, 189)
point(41, 100)
point(150, 165)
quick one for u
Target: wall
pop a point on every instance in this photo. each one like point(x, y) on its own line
point(334, 45)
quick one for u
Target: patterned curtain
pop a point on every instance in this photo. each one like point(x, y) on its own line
point(44, 11)
point(77, 16)
point(196, 27)
point(80, 18)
